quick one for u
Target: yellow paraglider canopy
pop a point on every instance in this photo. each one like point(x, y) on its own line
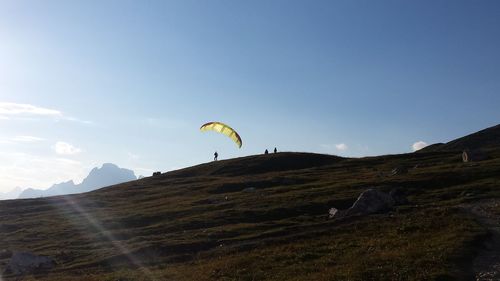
point(223, 129)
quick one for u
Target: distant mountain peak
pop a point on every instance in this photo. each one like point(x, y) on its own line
point(108, 174)
point(109, 166)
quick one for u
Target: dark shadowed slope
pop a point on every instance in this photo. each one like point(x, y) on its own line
point(486, 139)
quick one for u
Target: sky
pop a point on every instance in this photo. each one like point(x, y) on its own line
point(84, 83)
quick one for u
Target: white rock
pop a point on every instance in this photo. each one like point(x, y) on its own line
point(332, 212)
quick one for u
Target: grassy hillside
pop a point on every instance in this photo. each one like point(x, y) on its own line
point(264, 218)
point(487, 139)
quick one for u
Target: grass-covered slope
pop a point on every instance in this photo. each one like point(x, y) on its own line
point(263, 218)
point(487, 139)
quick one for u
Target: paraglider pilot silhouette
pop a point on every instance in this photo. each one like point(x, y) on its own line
point(223, 129)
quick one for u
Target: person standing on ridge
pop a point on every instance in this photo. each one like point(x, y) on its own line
point(275, 150)
point(266, 152)
point(216, 155)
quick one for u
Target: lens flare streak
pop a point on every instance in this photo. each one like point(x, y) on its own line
point(119, 246)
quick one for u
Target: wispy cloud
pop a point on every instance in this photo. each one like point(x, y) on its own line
point(419, 145)
point(341, 146)
point(19, 109)
point(10, 110)
point(20, 139)
point(26, 139)
point(73, 119)
point(335, 148)
point(64, 148)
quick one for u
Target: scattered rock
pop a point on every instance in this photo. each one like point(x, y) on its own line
point(25, 262)
point(249, 189)
point(372, 201)
point(399, 170)
point(156, 174)
point(333, 212)
point(473, 155)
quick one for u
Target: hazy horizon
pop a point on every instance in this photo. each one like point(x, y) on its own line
point(91, 82)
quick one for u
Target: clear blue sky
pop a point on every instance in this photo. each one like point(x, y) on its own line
point(130, 82)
